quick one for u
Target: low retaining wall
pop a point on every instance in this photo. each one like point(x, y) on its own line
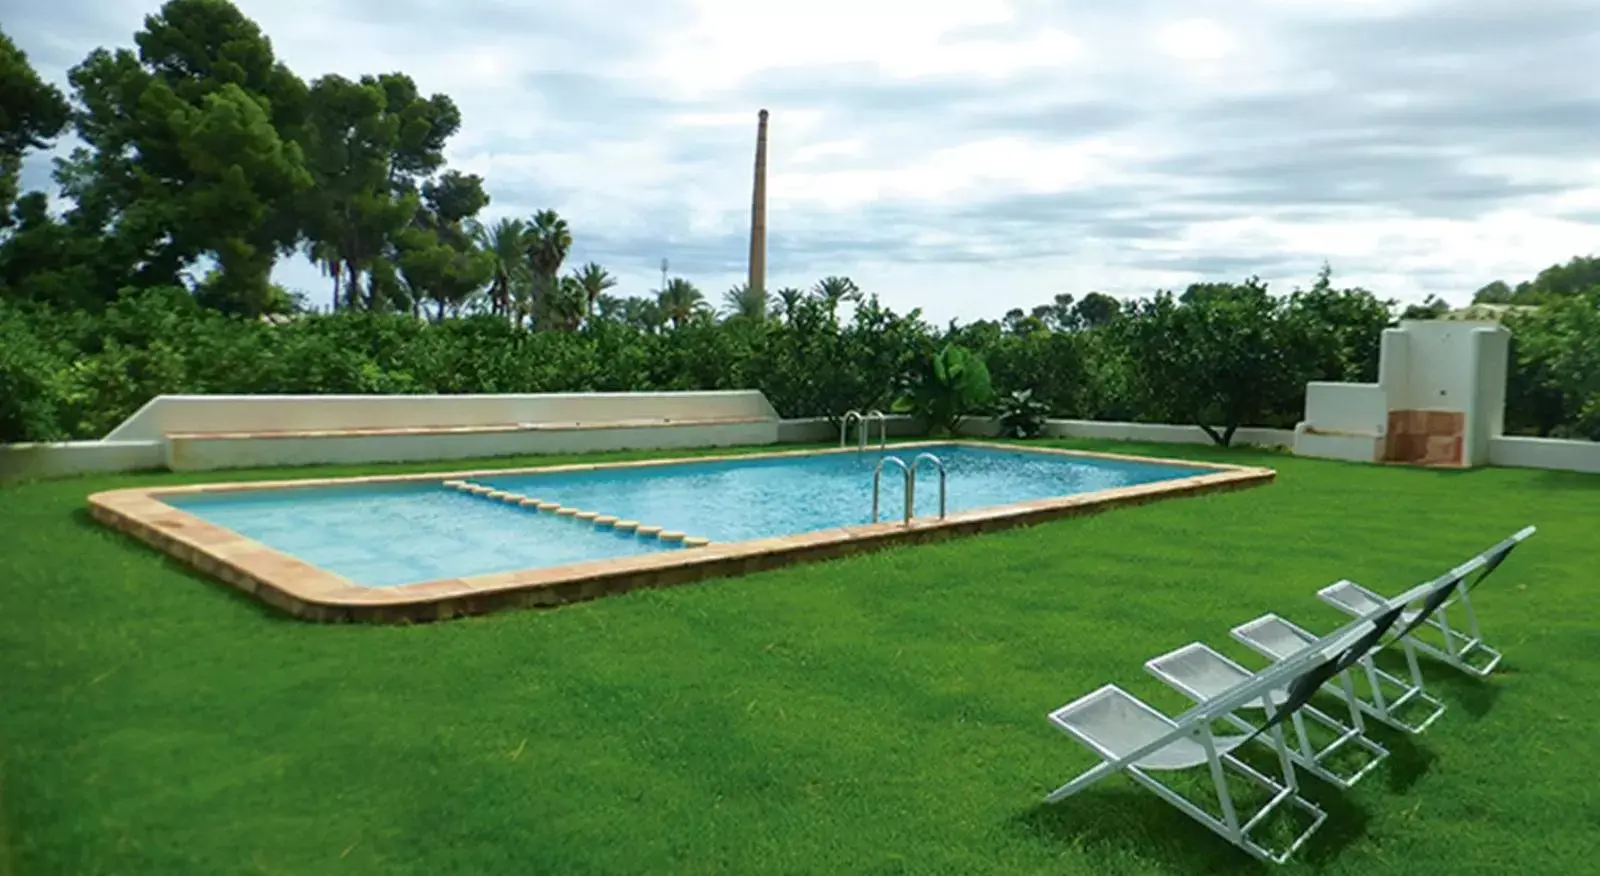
point(1547, 453)
point(211, 452)
point(818, 430)
point(65, 459)
point(68, 458)
point(1345, 447)
point(1164, 433)
point(169, 414)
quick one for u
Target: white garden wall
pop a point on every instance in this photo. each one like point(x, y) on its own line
point(1546, 453)
point(68, 458)
point(1163, 433)
point(233, 414)
point(1347, 408)
point(169, 414)
point(818, 430)
point(204, 453)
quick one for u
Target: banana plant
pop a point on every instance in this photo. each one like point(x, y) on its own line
point(952, 385)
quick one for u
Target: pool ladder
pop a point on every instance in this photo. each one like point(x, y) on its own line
point(909, 472)
point(864, 429)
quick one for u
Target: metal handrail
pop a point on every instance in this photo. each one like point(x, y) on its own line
point(883, 429)
point(844, 426)
point(877, 479)
point(911, 483)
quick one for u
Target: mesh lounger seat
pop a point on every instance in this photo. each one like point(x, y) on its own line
point(1277, 639)
point(1132, 737)
point(1114, 724)
point(1464, 650)
point(1200, 672)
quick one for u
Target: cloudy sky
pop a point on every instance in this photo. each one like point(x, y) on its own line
point(969, 157)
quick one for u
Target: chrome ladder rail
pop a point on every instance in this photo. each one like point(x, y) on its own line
point(883, 429)
point(911, 483)
point(877, 481)
point(844, 427)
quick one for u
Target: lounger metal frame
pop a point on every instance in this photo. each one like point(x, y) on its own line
point(1218, 758)
point(1332, 649)
point(1302, 753)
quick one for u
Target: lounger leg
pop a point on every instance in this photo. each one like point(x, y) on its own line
point(1223, 797)
point(1354, 701)
point(1300, 732)
point(1232, 834)
point(1477, 639)
point(1377, 687)
point(1442, 615)
point(1283, 747)
point(1412, 664)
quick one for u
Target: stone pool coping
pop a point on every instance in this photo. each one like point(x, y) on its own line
point(312, 593)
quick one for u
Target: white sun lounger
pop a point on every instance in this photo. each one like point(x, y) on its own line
point(1201, 672)
point(1114, 724)
point(1132, 737)
point(1459, 648)
point(1277, 639)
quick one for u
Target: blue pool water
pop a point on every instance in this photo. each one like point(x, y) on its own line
point(387, 535)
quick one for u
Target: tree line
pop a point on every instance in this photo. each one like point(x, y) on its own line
point(201, 152)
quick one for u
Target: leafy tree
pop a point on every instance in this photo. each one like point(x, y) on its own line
point(32, 114)
point(1431, 307)
point(353, 213)
point(1224, 356)
point(1577, 277)
point(205, 157)
point(1058, 315)
point(1097, 309)
point(438, 258)
point(187, 153)
point(1344, 327)
point(44, 259)
point(1494, 293)
point(1554, 386)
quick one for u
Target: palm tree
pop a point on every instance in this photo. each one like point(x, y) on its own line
point(834, 290)
point(643, 313)
point(507, 242)
point(742, 302)
point(547, 242)
point(788, 299)
point(594, 281)
point(681, 301)
point(610, 308)
point(563, 310)
point(326, 257)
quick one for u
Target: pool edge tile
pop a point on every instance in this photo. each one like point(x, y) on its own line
point(312, 593)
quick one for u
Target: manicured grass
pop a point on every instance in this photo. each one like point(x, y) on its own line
point(883, 714)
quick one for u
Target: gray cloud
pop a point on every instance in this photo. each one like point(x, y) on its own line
point(1339, 118)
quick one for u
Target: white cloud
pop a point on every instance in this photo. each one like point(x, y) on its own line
point(968, 157)
point(1195, 39)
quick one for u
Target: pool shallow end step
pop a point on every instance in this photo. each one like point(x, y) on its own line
point(601, 521)
point(164, 519)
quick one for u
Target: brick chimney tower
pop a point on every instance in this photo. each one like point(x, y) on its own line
point(758, 211)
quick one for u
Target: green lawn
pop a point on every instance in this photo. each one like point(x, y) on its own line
point(883, 714)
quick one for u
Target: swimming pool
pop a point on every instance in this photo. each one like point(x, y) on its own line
point(455, 537)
